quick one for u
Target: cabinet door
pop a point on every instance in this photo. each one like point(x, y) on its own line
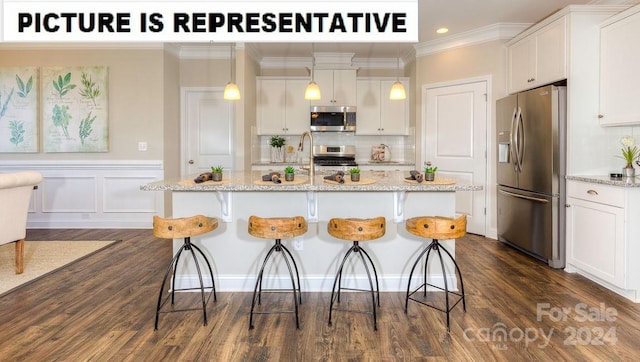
point(368, 107)
point(324, 78)
point(393, 113)
point(344, 87)
point(551, 53)
point(619, 75)
point(297, 108)
point(270, 107)
point(521, 64)
point(595, 237)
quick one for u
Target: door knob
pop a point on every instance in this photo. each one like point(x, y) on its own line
point(191, 162)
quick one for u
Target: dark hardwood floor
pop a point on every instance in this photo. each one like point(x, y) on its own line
point(101, 308)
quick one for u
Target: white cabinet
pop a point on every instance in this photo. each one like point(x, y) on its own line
point(538, 58)
point(602, 236)
point(281, 107)
point(619, 75)
point(337, 87)
point(377, 114)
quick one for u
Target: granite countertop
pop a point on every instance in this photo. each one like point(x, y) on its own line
point(606, 180)
point(246, 181)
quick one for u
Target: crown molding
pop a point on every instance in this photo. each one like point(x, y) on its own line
point(498, 31)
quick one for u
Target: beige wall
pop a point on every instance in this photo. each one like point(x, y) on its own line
point(136, 96)
point(486, 59)
point(171, 124)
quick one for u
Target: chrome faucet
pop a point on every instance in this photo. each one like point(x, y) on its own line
point(312, 172)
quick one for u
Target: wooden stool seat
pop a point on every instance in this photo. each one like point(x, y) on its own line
point(186, 227)
point(357, 230)
point(277, 228)
point(435, 228)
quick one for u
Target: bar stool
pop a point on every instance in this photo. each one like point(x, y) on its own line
point(277, 228)
point(436, 227)
point(184, 228)
point(357, 230)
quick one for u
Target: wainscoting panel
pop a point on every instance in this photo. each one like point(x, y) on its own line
point(92, 194)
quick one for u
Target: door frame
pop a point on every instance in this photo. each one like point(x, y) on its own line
point(183, 121)
point(489, 195)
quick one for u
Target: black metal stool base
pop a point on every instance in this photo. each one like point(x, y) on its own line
point(435, 245)
point(187, 245)
point(295, 288)
point(335, 295)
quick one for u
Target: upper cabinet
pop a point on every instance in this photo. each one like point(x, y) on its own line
point(539, 58)
point(619, 75)
point(281, 107)
point(337, 87)
point(377, 114)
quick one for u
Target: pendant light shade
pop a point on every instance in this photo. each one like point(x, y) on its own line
point(312, 92)
point(397, 92)
point(231, 91)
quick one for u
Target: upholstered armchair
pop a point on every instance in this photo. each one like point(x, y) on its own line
point(15, 196)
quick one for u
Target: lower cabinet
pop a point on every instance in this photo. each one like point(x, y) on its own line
point(600, 237)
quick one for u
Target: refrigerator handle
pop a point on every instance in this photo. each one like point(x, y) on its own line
point(522, 139)
point(517, 139)
point(513, 146)
point(544, 201)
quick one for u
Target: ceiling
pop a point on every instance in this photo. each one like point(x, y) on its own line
point(459, 16)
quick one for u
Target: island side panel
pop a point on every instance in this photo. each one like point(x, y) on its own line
point(237, 256)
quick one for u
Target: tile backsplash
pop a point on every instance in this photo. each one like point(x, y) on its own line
point(402, 147)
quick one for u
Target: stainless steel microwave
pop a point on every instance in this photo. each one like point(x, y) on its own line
point(333, 119)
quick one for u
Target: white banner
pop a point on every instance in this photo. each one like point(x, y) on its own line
point(198, 21)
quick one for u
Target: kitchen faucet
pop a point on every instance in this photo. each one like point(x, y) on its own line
point(301, 148)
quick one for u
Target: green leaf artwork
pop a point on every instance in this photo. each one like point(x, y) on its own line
point(89, 88)
point(61, 118)
point(63, 85)
point(3, 110)
point(86, 127)
point(17, 132)
point(24, 89)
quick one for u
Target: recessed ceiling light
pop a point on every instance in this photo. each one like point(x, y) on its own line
point(442, 30)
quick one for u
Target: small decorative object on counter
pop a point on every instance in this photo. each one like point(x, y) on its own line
point(380, 153)
point(337, 177)
point(415, 175)
point(430, 171)
point(203, 177)
point(216, 173)
point(273, 177)
point(277, 148)
point(630, 153)
point(289, 173)
point(355, 174)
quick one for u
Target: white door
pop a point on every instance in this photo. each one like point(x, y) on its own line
point(207, 130)
point(455, 139)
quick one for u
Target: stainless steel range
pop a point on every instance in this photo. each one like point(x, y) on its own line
point(334, 156)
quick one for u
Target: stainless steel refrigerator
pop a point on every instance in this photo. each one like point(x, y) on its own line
point(531, 140)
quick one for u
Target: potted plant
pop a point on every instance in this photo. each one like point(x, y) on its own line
point(216, 171)
point(430, 172)
point(629, 152)
point(289, 173)
point(277, 148)
point(355, 174)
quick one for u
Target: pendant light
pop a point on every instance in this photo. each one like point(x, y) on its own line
point(231, 91)
point(397, 89)
point(312, 92)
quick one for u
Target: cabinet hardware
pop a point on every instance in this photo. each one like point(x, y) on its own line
point(592, 192)
point(567, 206)
point(601, 116)
point(191, 162)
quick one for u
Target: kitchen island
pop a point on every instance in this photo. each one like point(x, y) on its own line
point(236, 255)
